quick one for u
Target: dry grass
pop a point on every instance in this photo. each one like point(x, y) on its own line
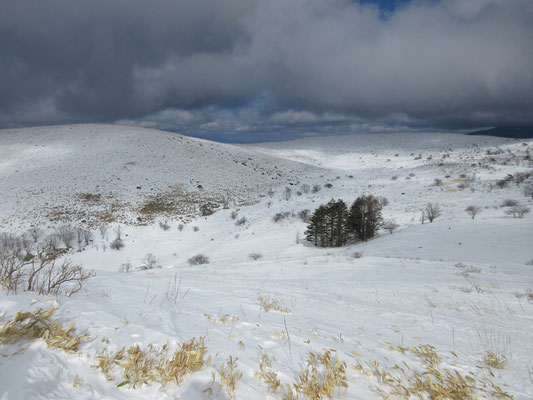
point(266, 373)
point(229, 376)
point(320, 377)
point(136, 366)
point(431, 382)
point(268, 303)
point(28, 326)
point(495, 350)
point(221, 319)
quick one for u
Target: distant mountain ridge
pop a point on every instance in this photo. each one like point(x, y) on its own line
point(512, 132)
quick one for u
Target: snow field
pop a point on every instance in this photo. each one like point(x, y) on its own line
point(458, 284)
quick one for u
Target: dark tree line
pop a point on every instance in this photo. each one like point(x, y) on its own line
point(334, 225)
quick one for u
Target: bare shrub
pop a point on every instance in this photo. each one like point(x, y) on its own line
point(126, 268)
point(305, 188)
point(328, 185)
point(103, 231)
point(164, 225)
point(241, 221)
point(83, 237)
point(67, 235)
point(198, 259)
point(41, 273)
point(528, 191)
point(509, 203)
point(234, 215)
point(390, 225)
point(305, 215)
point(36, 234)
point(180, 227)
point(117, 244)
point(473, 211)
point(195, 228)
point(287, 193)
point(149, 262)
point(383, 201)
point(357, 254)
point(316, 189)
point(394, 177)
point(432, 212)
point(518, 211)
point(437, 182)
point(280, 216)
point(502, 183)
point(255, 256)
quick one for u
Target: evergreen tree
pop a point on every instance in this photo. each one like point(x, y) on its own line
point(327, 226)
point(316, 228)
point(364, 218)
point(336, 216)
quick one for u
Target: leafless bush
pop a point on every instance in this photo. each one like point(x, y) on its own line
point(528, 191)
point(103, 231)
point(383, 201)
point(195, 228)
point(518, 211)
point(117, 244)
point(241, 221)
point(473, 211)
point(174, 293)
point(394, 178)
point(305, 188)
point(390, 225)
point(255, 256)
point(270, 193)
point(502, 183)
point(234, 215)
point(287, 193)
point(67, 235)
point(180, 227)
point(126, 267)
point(357, 254)
point(83, 236)
point(509, 203)
point(36, 234)
point(316, 189)
point(149, 262)
point(198, 259)
point(52, 241)
point(529, 262)
point(280, 216)
point(328, 185)
point(41, 273)
point(432, 212)
point(437, 182)
point(10, 242)
point(164, 225)
point(305, 215)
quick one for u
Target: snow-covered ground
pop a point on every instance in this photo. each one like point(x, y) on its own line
point(460, 285)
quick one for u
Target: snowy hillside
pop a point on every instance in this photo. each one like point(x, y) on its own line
point(92, 171)
point(450, 301)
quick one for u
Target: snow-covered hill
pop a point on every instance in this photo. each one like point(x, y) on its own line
point(426, 299)
point(89, 171)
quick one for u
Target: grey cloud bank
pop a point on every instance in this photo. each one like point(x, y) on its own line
point(266, 69)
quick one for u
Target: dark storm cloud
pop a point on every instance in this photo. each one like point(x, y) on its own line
point(253, 66)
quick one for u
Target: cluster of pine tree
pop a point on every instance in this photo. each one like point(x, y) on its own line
point(333, 225)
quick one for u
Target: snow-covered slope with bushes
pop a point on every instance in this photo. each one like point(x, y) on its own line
point(85, 171)
point(375, 318)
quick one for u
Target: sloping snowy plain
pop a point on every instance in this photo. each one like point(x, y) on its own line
point(463, 286)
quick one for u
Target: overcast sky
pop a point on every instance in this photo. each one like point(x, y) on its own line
point(245, 70)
